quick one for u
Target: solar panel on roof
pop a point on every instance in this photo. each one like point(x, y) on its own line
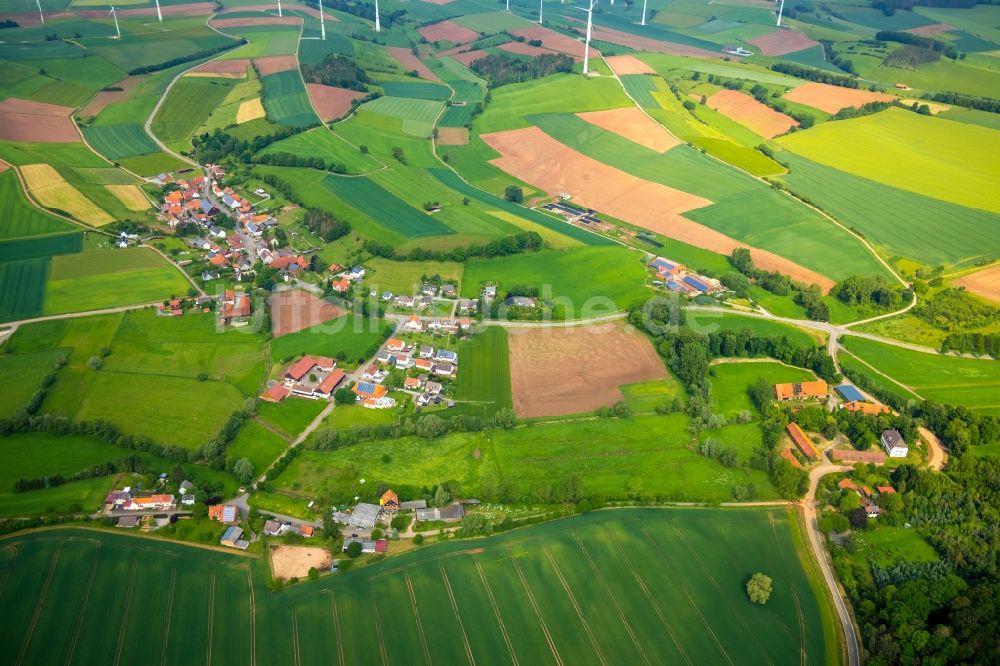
point(849, 393)
point(697, 284)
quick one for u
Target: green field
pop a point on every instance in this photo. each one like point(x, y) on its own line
point(22, 288)
point(322, 143)
point(105, 278)
point(613, 276)
point(731, 383)
point(20, 218)
point(974, 383)
point(484, 378)
point(415, 90)
point(384, 207)
point(404, 277)
point(645, 397)
point(258, 444)
point(286, 100)
point(418, 115)
point(21, 375)
point(126, 140)
point(611, 456)
point(607, 584)
point(291, 416)
point(712, 322)
point(188, 105)
point(339, 335)
point(919, 227)
point(938, 158)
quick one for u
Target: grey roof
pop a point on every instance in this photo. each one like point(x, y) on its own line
point(413, 504)
point(892, 438)
point(272, 527)
point(365, 515)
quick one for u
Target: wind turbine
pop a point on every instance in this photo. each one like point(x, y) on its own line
point(781, 9)
point(113, 15)
point(42, 16)
point(279, 8)
point(508, 5)
point(158, 14)
point(643, 12)
point(586, 44)
point(378, 25)
point(322, 24)
point(540, 5)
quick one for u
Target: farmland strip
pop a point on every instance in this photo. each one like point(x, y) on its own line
point(38, 607)
point(378, 625)
point(83, 605)
point(336, 624)
point(295, 638)
point(576, 606)
point(253, 618)
point(170, 605)
point(496, 612)
point(538, 614)
point(416, 616)
point(458, 616)
point(128, 602)
point(211, 619)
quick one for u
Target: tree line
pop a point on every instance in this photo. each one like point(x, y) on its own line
point(968, 101)
point(131, 463)
point(919, 41)
point(818, 75)
point(326, 225)
point(219, 146)
point(809, 297)
point(528, 241)
point(198, 55)
point(502, 69)
point(337, 70)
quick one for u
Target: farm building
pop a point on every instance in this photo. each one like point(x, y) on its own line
point(224, 513)
point(128, 521)
point(276, 392)
point(380, 546)
point(865, 408)
point(894, 444)
point(389, 501)
point(413, 505)
point(152, 503)
point(801, 390)
point(366, 390)
point(849, 393)
point(852, 456)
point(232, 537)
point(446, 514)
point(801, 441)
point(364, 516)
point(790, 457)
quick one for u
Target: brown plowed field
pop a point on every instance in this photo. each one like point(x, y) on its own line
point(555, 41)
point(634, 125)
point(275, 64)
point(745, 110)
point(331, 102)
point(448, 32)
point(538, 159)
point(985, 283)
point(781, 42)
point(234, 67)
point(411, 62)
point(106, 97)
point(453, 136)
point(295, 310)
point(248, 21)
point(933, 29)
point(36, 122)
point(468, 57)
point(833, 98)
point(296, 561)
point(568, 370)
point(626, 64)
point(647, 44)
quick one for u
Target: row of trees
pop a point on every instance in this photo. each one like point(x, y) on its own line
point(528, 241)
point(179, 60)
point(810, 74)
point(909, 39)
point(218, 146)
point(809, 297)
point(132, 463)
point(282, 158)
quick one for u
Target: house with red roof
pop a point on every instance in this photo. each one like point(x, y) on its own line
point(235, 307)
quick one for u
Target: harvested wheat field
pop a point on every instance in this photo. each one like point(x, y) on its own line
point(36, 122)
point(3, 166)
point(747, 111)
point(782, 41)
point(453, 136)
point(248, 21)
point(296, 561)
point(469, 57)
point(130, 196)
point(929, 30)
point(555, 41)
point(275, 64)
point(626, 64)
point(106, 97)
point(540, 160)
point(251, 109)
point(49, 189)
point(446, 31)
point(647, 44)
point(411, 63)
point(634, 125)
point(227, 69)
point(331, 102)
point(568, 370)
point(831, 99)
point(985, 282)
point(295, 310)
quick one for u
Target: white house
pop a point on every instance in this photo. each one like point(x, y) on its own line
point(894, 444)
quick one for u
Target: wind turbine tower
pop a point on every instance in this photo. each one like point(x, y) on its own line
point(40, 14)
point(586, 44)
point(279, 7)
point(540, 5)
point(643, 12)
point(115, 17)
point(322, 23)
point(378, 24)
point(781, 8)
point(158, 14)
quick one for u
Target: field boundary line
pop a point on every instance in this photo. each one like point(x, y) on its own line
point(128, 603)
point(611, 596)
point(253, 616)
point(336, 626)
point(416, 616)
point(83, 607)
point(715, 583)
point(295, 638)
point(844, 350)
point(454, 608)
point(534, 606)
point(38, 607)
point(576, 605)
point(170, 606)
point(652, 602)
point(211, 619)
point(691, 601)
point(378, 625)
point(496, 612)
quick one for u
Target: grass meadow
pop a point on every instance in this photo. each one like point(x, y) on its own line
point(322, 143)
point(125, 140)
point(21, 375)
point(645, 397)
point(332, 338)
point(949, 161)
point(483, 384)
point(974, 383)
point(286, 100)
point(22, 288)
point(291, 416)
point(404, 277)
point(257, 444)
point(731, 383)
point(710, 322)
point(187, 106)
point(21, 219)
point(621, 583)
